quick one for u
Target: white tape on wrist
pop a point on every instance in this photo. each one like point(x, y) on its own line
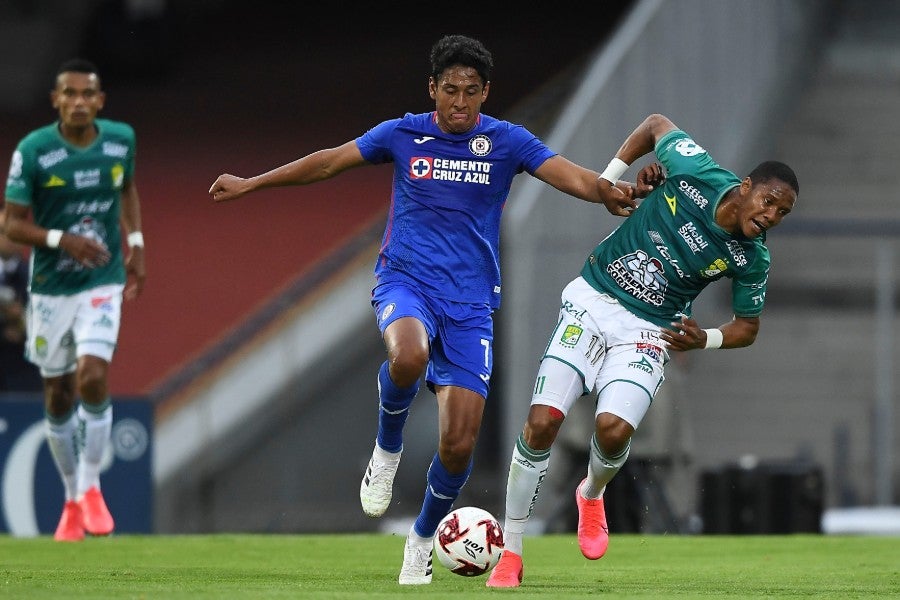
point(614, 170)
point(53, 237)
point(136, 238)
point(714, 338)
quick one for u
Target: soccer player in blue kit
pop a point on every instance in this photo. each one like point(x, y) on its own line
point(437, 273)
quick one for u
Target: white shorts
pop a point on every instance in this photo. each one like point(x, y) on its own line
point(611, 351)
point(63, 328)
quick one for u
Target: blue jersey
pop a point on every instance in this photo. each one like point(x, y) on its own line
point(449, 190)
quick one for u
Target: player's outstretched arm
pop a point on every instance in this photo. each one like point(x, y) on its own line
point(578, 181)
point(319, 165)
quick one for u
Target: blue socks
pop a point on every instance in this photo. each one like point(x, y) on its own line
point(393, 409)
point(442, 491)
point(443, 488)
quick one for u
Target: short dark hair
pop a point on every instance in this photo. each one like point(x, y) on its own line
point(773, 169)
point(461, 50)
point(78, 65)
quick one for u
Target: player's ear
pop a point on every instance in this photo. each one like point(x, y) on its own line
point(485, 90)
point(746, 184)
point(432, 88)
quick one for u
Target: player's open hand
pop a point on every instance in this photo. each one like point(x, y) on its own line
point(228, 187)
point(685, 334)
point(87, 251)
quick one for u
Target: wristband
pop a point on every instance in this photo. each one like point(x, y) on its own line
point(53, 237)
point(135, 238)
point(714, 338)
point(614, 170)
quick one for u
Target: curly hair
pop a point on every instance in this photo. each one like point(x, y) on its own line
point(453, 50)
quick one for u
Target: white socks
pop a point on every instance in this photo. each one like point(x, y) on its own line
point(601, 469)
point(62, 438)
point(97, 428)
point(527, 470)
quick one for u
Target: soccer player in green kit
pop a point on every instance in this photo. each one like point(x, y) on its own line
point(75, 178)
point(631, 306)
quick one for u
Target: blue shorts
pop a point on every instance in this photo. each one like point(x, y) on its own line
point(461, 336)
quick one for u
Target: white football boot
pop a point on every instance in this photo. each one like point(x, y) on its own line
point(416, 568)
point(377, 484)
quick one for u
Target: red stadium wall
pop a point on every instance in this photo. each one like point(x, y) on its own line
point(260, 96)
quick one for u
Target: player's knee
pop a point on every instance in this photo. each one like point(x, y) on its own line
point(59, 398)
point(407, 367)
point(542, 426)
point(455, 452)
point(92, 383)
point(613, 433)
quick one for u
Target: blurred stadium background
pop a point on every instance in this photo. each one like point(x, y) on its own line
point(254, 343)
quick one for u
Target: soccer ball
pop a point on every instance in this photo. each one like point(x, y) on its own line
point(469, 541)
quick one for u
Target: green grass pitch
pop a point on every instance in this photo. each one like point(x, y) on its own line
point(366, 566)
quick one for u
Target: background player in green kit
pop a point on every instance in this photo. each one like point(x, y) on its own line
point(631, 305)
point(76, 179)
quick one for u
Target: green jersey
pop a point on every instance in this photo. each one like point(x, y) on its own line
point(670, 248)
point(77, 190)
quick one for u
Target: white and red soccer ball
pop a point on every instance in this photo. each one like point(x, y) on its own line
point(469, 541)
